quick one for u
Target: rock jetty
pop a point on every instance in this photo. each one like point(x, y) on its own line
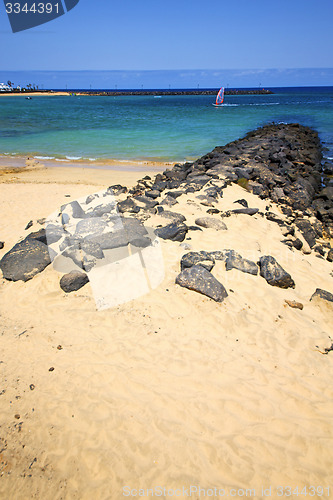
point(116, 93)
point(280, 163)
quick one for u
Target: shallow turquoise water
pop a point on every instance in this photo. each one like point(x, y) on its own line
point(171, 128)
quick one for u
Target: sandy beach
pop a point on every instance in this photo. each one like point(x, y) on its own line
point(171, 390)
point(36, 94)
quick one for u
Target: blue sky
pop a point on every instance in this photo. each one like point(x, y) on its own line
point(251, 41)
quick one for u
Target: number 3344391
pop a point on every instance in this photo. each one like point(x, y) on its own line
point(35, 8)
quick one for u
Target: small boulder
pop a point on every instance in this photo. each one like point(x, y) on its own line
point(274, 274)
point(174, 216)
point(242, 202)
point(169, 201)
point(26, 259)
point(91, 227)
point(322, 294)
point(176, 231)
point(198, 279)
point(175, 194)
point(202, 258)
point(72, 210)
point(2, 244)
point(211, 222)
point(153, 193)
point(245, 211)
point(116, 189)
point(236, 261)
point(73, 281)
point(307, 231)
point(100, 210)
point(128, 206)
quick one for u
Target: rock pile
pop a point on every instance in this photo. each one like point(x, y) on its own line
point(282, 163)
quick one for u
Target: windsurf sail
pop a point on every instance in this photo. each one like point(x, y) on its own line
point(220, 97)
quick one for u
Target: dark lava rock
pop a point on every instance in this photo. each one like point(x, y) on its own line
point(28, 226)
point(101, 210)
point(169, 201)
point(128, 230)
point(128, 206)
point(90, 198)
point(108, 241)
point(41, 235)
point(116, 189)
point(88, 228)
point(211, 222)
point(326, 193)
point(307, 231)
point(91, 248)
point(53, 233)
point(2, 244)
point(198, 279)
point(72, 210)
point(202, 258)
point(198, 182)
point(26, 259)
point(274, 274)
point(319, 249)
point(159, 186)
point(145, 202)
point(153, 193)
point(236, 261)
point(330, 255)
point(213, 211)
point(175, 194)
point(242, 202)
point(73, 281)
point(246, 211)
point(220, 254)
point(322, 294)
point(174, 216)
point(274, 218)
point(176, 231)
point(297, 243)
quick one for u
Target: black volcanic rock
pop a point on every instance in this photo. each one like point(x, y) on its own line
point(236, 261)
point(307, 231)
point(26, 259)
point(73, 281)
point(274, 274)
point(322, 294)
point(176, 231)
point(245, 211)
point(202, 258)
point(198, 279)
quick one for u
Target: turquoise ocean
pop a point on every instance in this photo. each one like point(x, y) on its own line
point(166, 128)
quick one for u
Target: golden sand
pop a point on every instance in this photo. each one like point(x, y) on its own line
point(171, 389)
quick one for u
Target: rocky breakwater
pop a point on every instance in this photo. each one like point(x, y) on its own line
point(281, 163)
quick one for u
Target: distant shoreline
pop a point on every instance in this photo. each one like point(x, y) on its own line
point(116, 93)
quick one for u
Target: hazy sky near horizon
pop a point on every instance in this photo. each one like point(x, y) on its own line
point(177, 35)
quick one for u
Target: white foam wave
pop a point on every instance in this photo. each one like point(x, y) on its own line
point(44, 157)
point(74, 157)
point(264, 104)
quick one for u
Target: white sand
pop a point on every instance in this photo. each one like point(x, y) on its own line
point(171, 389)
